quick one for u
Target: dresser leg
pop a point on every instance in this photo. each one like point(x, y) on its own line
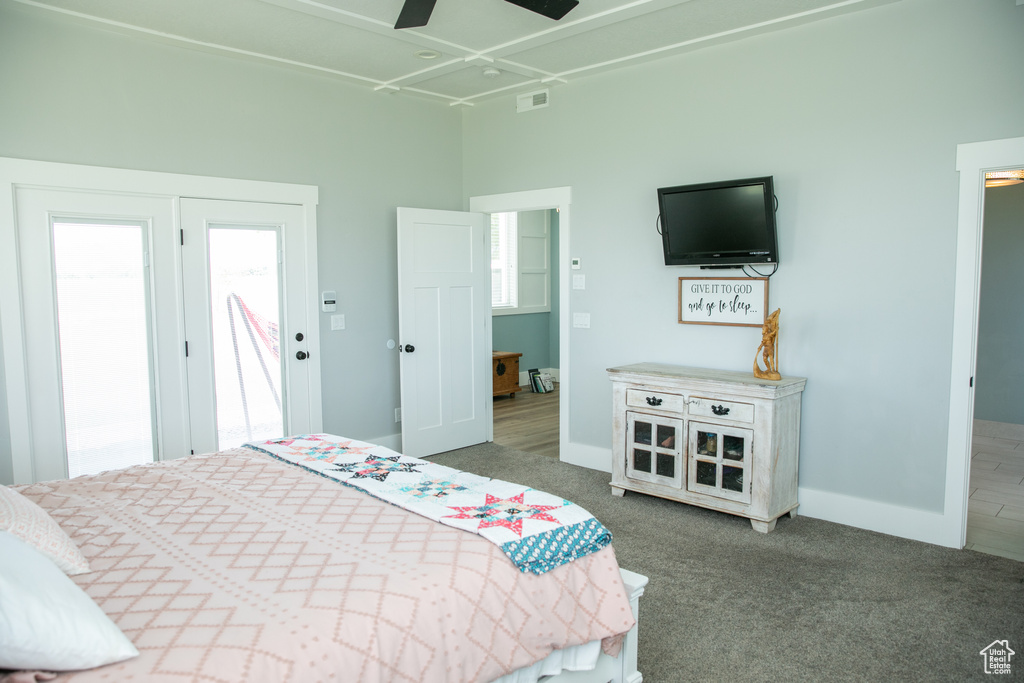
point(763, 527)
point(618, 492)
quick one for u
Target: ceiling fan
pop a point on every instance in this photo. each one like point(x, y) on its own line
point(417, 12)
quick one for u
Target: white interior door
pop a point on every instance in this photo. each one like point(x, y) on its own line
point(253, 362)
point(444, 329)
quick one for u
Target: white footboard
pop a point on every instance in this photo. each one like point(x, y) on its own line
point(621, 669)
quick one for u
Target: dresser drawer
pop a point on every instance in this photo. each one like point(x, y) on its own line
point(717, 408)
point(672, 403)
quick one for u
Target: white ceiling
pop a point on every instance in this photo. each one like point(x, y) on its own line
point(355, 39)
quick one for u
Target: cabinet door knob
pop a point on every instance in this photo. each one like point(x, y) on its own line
point(719, 410)
point(653, 401)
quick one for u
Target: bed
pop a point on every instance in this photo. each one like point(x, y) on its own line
point(242, 566)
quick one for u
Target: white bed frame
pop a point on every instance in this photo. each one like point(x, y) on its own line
point(621, 669)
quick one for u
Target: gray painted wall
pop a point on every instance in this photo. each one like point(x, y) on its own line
point(79, 94)
point(858, 118)
point(535, 335)
point(999, 378)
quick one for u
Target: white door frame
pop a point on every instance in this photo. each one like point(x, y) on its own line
point(972, 161)
point(16, 173)
point(530, 200)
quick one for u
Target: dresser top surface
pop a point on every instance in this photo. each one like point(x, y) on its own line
point(680, 372)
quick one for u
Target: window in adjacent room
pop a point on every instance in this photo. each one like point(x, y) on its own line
point(504, 283)
point(520, 262)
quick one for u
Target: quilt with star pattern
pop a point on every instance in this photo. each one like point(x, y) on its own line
point(537, 531)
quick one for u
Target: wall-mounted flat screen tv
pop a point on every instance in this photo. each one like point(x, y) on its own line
point(726, 223)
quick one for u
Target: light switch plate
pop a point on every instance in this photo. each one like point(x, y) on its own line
point(579, 281)
point(581, 320)
point(338, 322)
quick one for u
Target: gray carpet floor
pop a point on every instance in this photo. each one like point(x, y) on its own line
point(811, 601)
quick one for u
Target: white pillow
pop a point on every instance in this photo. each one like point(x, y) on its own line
point(46, 621)
point(32, 524)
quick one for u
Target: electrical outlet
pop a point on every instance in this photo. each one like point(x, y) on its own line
point(398, 414)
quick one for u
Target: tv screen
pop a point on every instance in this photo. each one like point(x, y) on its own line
point(727, 223)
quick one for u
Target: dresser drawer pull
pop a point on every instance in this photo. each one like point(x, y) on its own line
point(719, 410)
point(653, 401)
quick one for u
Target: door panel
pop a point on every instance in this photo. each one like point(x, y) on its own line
point(245, 306)
point(36, 212)
point(444, 328)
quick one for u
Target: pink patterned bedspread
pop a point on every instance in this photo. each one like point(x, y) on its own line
point(238, 567)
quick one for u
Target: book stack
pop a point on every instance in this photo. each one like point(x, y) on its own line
point(541, 382)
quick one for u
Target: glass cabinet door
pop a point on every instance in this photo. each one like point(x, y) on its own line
point(720, 461)
point(654, 449)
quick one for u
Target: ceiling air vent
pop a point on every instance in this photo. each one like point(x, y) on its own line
point(531, 100)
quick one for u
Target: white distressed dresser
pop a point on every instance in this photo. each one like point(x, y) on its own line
point(718, 439)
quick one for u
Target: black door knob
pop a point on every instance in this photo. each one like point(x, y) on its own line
point(409, 348)
point(302, 355)
point(299, 337)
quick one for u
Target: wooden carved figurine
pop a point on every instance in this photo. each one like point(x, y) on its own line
point(769, 349)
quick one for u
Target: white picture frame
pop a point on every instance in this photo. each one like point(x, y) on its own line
point(737, 301)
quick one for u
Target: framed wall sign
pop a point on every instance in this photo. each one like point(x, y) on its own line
point(739, 301)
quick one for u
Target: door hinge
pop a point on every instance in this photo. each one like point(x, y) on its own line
point(193, 452)
point(186, 349)
point(972, 382)
point(182, 233)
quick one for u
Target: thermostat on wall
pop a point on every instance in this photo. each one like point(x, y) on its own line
point(329, 302)
point(575, 263)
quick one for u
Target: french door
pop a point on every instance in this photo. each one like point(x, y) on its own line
point(233, 261)
point(159, 326)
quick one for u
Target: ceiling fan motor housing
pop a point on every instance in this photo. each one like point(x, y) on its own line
point(416, 13)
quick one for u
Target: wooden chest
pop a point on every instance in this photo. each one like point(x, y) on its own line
point(505, 372)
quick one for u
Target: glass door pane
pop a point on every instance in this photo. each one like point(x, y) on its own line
point(246, 316)
point(104, 341)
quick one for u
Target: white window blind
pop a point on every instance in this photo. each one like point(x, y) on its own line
point(504, 281)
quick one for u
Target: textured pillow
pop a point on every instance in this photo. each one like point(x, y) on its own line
point(46, 621)
point(29, 522)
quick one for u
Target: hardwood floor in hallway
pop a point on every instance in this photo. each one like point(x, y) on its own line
point(528, 422)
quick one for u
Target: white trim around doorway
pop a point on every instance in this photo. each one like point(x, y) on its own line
point(551, 198)
point(972, 161)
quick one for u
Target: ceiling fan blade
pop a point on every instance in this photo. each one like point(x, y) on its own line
point(415, 13)
point(553, 9)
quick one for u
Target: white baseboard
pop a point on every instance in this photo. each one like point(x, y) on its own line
point(392, 441)
point(885, 518)
point(592, 457)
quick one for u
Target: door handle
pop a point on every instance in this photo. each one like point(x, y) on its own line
point(653, 401)
point(409, 348)
point(302, 355)
point(719, 410)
